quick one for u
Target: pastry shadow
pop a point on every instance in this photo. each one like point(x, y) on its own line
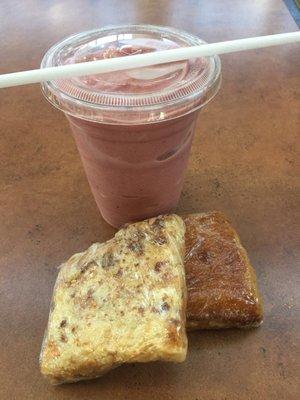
point(215, 339)
point(129, 377)
point(141, 377)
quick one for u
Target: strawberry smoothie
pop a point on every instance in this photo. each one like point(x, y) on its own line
point(133, 128)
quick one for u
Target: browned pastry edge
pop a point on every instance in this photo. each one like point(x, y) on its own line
point(246, 315)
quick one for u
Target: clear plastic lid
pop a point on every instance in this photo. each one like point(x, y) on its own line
point(134, 96)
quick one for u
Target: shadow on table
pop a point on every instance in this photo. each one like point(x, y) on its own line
point(217, 339)
point(148, 377)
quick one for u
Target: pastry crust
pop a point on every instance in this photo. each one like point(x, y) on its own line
point(118, 302)
point(221, 283)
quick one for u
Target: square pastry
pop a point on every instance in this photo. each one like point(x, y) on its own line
point(221, 283)
point(119, 302)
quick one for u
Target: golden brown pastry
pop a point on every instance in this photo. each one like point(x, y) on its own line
point(118, 302)
point(221, 283)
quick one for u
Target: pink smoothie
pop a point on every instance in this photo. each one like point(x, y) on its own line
point(134, 128)
point(135, 171)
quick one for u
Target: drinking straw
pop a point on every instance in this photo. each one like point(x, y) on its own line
point(144, 60)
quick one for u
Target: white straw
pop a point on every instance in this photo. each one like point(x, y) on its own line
point(143, 60)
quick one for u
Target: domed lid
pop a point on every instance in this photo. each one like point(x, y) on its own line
point(134, 96)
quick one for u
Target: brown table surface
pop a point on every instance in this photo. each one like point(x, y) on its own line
point(243, 162)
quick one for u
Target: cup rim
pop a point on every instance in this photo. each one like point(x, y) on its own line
point(61, 93)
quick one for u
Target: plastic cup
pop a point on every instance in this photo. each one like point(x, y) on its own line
point(133, 128)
